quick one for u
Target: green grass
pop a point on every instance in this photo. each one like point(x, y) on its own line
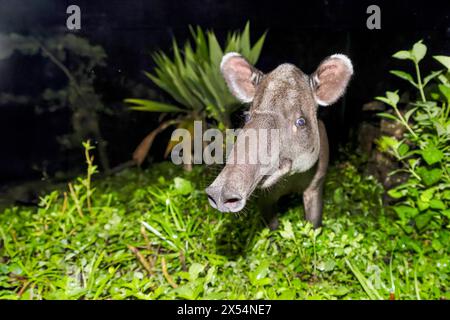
point(152, 235)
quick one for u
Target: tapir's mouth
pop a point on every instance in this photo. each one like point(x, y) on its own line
point(225, 198)
point(234, 204)
point(263, 179)
point(269, 180)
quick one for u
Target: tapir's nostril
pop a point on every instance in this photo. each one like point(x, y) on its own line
point(213, 196)
point(233, 202)
point(212, 202)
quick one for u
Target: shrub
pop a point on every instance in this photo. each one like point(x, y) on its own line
point(424, 198)
point(75, 58)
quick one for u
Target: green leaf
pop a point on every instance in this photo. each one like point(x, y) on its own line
point(189, 291)
point(403, 149)
point(445, 90)
point(446, 213)
point(287, 232)
point(158, 234)
point(422, 205)
point(405, 212)
point(402, 55)
point(446, 195)
point(444, 60)
point(287, 295)
point(445, 79)
point(413, 162)
point(387, 116)
point(152, 106)
point(365, 283)
point(419, 51)
point(256, 50)
point(396, 193)
point(432, 155)
point(215, 52)
point(409, 113)
point(183, 186)
point(404, 75)
point(258, 276)
point(194, 270)
point(326, 266)
point(338, 196)
point(339, 291)
point(386, 142)
point(391, 98)
point(422, 220)
point(431, 76)
point(429, 177)
point(427, 195)
point(245, 40)
point(437, 204)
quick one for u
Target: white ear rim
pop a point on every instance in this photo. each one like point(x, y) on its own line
point(348, 64)
point(227, 57)
point(239, 93)
point(344, 59)
point(320, 102)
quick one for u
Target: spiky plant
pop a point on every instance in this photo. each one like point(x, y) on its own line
point(192, 78)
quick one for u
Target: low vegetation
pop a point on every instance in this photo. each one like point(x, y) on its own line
point(152, 235)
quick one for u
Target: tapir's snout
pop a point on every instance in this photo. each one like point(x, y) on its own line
point(224, 199)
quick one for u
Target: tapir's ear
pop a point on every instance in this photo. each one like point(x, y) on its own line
point(331, 78)
point(240, 76)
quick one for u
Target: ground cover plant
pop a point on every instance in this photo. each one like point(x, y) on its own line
point(151, 235)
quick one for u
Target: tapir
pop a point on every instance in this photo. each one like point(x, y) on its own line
point(285, 99)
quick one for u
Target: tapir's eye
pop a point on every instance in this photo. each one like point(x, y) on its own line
point(247, 117)
point(300, 122)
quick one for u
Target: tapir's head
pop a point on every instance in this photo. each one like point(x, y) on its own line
point(285, 99)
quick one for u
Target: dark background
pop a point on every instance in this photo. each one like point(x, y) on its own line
point(300, 32)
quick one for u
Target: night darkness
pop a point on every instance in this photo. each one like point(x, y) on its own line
point(299, 32)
